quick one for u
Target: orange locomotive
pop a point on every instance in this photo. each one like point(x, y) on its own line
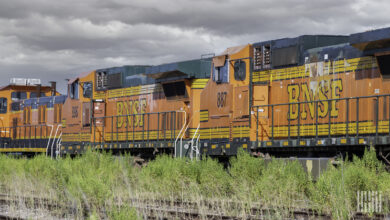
point(138, 109)
point(310, 96)
point(29, 114)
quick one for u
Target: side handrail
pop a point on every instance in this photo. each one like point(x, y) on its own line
point(182, 130)
point(181, 138)
point(55, 135)
point(348, 100)
point(59, 140)
point(197, 145)
point(192, 143)
point(48, 142)
point(322, 100)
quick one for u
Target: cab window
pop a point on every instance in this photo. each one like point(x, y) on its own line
point(87, 90)
point(16, 96)
point(74, 90)
point(221, 73)
point(3, 105)
point(34, 94)
point(239, 70)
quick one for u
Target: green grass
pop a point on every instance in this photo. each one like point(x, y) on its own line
point(100, 186)
point(336, 190)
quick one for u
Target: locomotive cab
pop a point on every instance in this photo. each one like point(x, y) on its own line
point(224, 108)
point(77, 112)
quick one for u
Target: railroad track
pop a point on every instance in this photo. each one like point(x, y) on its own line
point(166, 209)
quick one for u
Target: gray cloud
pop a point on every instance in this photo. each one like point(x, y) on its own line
point(54, 40)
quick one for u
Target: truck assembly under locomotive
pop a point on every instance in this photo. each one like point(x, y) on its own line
point(312, 96)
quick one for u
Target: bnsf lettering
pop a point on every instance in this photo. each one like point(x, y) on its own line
point(326, 90)
point(134, 109)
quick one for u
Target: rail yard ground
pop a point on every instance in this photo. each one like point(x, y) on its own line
point(101, 186)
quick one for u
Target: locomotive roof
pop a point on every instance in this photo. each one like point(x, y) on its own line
point(306, 41)
point(22, 87)
point(371, 40)
point(232, 50)
point(334, 52)
point(291, 51)
point(82, 75)
point(127, 70)
point(48, 100)
point(198, 68)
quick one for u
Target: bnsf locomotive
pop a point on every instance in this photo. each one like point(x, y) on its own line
point(311, 96)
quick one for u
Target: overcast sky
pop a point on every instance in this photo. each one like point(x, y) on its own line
point(55, 40)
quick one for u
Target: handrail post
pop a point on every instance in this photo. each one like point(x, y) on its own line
point(143, 129)
point(104, 130)
point(29, 140)
point(165, 125)
point(299, 122)
point(376, 118)
point(172, 125)
point(134, 118)
point(93, 128)
point(272, 118)
point(117, 130)
point(41, 133)
point(94, 131)
point(289, 122)
point(127, 131)
point(347, 118)
point(329, 118)
point(148, 133)
point(112, 131)
point(316, 110)
point(357, 117)
point(158, 127)
point(35, 137)
point(257, 126)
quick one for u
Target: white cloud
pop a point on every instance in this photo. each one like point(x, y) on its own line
point(60, 39)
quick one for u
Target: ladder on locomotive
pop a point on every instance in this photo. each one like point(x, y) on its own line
point(58, 147)
point(192, 146)
point(54, 142)
point(195, 145)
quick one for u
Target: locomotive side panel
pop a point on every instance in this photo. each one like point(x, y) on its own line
point(146, 115)
point(334, 100)
point(326, 96)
